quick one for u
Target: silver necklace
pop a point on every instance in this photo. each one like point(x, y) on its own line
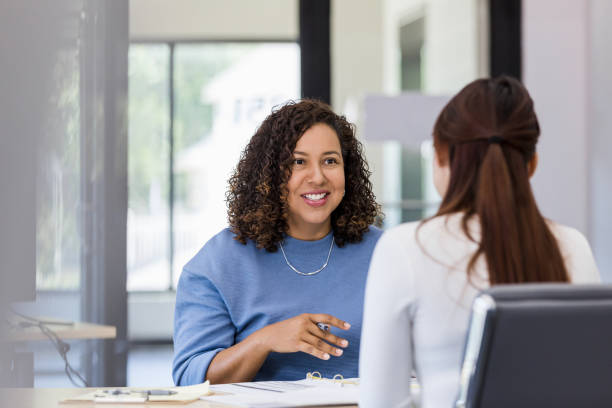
point(307, 273)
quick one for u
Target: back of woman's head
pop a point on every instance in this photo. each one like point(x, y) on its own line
point(487, 134)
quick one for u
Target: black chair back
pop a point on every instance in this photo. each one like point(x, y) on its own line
point(539, 345)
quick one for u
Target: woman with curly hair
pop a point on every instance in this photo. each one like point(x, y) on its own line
point(279, 293)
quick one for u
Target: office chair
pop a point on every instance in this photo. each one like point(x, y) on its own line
point(539, 345)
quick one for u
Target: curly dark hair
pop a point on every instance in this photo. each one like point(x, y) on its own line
point(257, 195)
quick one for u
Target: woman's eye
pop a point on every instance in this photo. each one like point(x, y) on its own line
point(331, 160)
point(299, 162)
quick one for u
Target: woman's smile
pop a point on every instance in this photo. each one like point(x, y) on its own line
point(316, 198)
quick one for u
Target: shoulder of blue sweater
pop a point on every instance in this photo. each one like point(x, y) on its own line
point(223, 239)
point(374, 232)
point(221, 243)
point(370, 237)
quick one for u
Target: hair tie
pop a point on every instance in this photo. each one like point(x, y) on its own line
point(496, 139)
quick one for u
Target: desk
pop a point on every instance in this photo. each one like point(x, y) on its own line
point(50, 397)
point(77, 330)
point(17, 368)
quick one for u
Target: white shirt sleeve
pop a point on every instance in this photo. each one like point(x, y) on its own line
point(577, 255)
point(386, 354)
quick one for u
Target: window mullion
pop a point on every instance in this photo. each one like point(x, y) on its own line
point(171, 165)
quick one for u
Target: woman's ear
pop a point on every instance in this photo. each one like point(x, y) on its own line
point(441, 171)
point(533, 164)
point(441, 156)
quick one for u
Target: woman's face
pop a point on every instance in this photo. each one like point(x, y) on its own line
point(316, 185)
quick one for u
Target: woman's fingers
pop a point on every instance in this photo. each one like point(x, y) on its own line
point(315, 346)
point(301, 333)
point(331, 320)
point(327, 336)
point(323, 319)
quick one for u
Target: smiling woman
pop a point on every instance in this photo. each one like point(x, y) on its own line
point(259, 194)
point(316, 186)
point(246, 311)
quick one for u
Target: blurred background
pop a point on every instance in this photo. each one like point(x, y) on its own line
point(122, 120)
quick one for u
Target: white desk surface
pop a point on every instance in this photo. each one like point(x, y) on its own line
point(51, 397)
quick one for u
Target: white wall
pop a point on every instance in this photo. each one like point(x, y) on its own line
point(555, 70)
point(600, 126)
point(567, 60)
point(214, 19)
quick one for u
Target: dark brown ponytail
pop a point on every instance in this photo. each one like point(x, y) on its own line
point(488, 133)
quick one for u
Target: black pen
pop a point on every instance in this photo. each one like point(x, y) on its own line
point(119, 391)
point(159, 392)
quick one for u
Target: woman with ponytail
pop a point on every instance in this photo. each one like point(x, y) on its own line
point(488, 230)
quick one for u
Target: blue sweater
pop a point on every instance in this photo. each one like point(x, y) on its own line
point(230, 290)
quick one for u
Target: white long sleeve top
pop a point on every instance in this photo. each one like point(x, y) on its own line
point(417, 307)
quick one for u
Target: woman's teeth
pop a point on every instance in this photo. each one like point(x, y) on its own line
point(315, 197)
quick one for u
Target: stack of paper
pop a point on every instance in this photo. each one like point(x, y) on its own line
point(271, 394)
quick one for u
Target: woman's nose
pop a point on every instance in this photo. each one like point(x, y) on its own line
point(316, 175)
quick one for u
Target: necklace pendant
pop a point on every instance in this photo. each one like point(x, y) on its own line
point(294, 269)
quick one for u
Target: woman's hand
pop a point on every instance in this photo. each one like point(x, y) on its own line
point(301, 333)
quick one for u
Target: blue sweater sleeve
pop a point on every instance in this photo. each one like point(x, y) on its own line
point(202, 328)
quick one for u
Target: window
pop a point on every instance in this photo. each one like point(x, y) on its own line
point(403, 172)
point(58, 234)
point(433, 51)
point(403, 180)
point(148, 240)
point(192, 109)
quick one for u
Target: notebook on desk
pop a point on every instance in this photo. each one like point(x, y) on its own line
point(128, 395)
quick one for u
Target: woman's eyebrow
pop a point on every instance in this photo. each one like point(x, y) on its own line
point(322, 154)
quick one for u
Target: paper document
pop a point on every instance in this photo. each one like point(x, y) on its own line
point(259, 386)
point(274, 394)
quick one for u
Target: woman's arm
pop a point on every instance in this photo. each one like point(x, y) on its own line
point(385, 359)
point(202, 327)
point(242, 361)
